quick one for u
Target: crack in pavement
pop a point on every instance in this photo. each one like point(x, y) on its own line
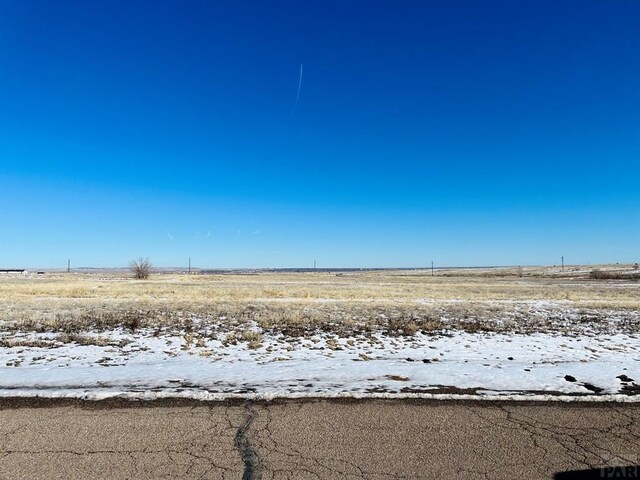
point(243, 442)
point(585, 444)
point(317, 466)
point(199, 453)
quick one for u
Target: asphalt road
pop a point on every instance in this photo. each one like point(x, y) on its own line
point(312, 439)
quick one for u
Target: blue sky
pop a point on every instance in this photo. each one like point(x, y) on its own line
point(464, 132)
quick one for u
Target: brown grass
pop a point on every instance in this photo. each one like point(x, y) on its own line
point(25, 343)
point(398, 302)
point(12, 342)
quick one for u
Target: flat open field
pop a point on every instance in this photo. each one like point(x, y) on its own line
point(475, 331)
point(526, 299)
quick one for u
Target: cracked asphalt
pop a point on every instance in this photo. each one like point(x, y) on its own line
point(315, 439)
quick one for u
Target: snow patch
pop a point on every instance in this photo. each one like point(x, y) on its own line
point(453, 364)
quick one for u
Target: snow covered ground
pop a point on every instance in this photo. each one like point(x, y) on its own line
point(150, 364)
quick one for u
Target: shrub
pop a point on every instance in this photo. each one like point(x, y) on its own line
point(598, 274)
point(140, 268)
point(603, 275)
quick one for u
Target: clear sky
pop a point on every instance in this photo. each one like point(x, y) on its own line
point(464, 132)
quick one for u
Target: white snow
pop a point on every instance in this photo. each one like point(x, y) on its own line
point(477, 365)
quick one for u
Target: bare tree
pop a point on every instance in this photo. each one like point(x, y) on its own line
point(141, 268)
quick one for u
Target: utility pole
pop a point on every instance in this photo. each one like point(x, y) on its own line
point(432, 268)
point(562, 260)
point(68, 265)
point(189, 265)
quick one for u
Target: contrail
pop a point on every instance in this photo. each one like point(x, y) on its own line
point(299, 85)
point(295, 105)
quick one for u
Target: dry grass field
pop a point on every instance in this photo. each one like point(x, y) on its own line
point(207, 336)
point(399, 302)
